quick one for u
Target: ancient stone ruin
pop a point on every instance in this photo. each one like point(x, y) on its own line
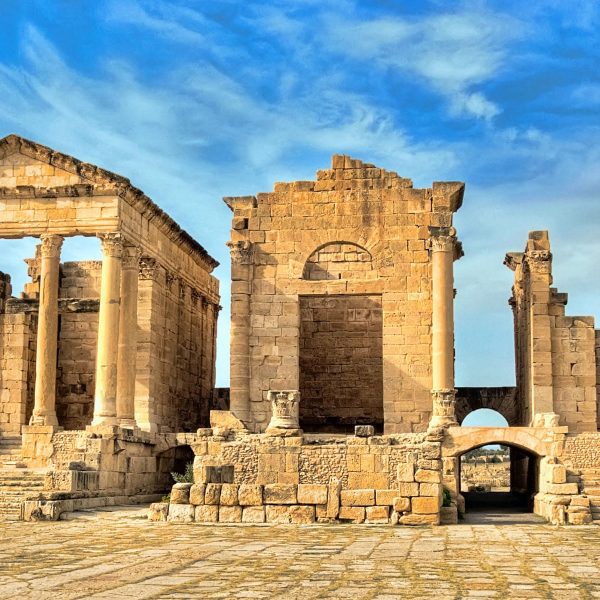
point(343, 405)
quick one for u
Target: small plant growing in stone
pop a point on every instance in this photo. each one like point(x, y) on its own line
point(446, 497)
point(187, 476)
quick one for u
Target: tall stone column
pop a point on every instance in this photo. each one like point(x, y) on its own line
point(105, 399)
point(127, 350)
point(44, 410)
point(241, 278)
point(444, 249)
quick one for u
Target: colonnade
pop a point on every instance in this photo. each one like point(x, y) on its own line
point(117, 333)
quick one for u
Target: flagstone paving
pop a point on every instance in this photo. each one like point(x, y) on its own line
point(132, 558)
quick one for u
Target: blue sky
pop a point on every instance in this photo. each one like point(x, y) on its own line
point(195, 100)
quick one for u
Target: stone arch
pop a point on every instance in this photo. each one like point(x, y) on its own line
point(339, 260)
point(316, 239)
point(503, 400)
point(459, 440)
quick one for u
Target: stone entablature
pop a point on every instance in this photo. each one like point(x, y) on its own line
point(356, 230)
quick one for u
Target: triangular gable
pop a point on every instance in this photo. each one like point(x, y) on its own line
point(23, 162)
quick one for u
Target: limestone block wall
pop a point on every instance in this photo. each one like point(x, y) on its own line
point(77, 342)
point(341, 362)
point(257, 478)
point(16, 358)
point(555, 354)
point(582, 451)
point(356, 230)
point(574, 372)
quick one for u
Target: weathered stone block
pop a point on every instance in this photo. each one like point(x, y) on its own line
point(561, 488)
point(229, 494)
point(250, 495)
point(197, 494)
point(448, 515)
point(354, 514)
point(277, 514)
point(216, 474)
point(212, 494)
point(181, 513)
point(412, 519)
point(401, 504)
point(158, 511)
point(364, 430)
point(427, 476)
point(368, 480)
point(206, 513)
point(230, 514)
point(430, 489)
point(358, 497)
point(408, 489)
point(302, 515)
point(333, 498)
point(253, 514)
point(425, 505)
point(280, 493)
point(406, 472)
point(180, 493)
point(312, 494)
point(377, 514)
point(385, 497)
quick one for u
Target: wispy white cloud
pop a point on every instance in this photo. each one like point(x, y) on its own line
point(454, 52)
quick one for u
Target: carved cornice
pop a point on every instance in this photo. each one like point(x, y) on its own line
point(50, 245)
point(242, 252)
point(112, 245)
point(117, 184)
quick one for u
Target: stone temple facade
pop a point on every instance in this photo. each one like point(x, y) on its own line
point(343, 404)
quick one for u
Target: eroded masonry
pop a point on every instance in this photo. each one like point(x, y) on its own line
point(343, 405)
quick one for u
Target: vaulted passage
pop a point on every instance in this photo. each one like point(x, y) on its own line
point(341, 366)
point(497, 481)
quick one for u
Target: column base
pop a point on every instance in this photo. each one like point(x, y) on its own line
point(127, 423)
point(105, 421)
point(47, 420)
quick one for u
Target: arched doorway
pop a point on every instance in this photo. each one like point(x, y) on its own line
point(493, 471)
point(497, 480)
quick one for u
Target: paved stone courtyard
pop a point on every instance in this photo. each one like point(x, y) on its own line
point(118, 556)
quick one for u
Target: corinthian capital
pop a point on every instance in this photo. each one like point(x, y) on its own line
point(131, 257)
point(539, 261)
point(50, 245)
point(112, 244)
point(241, 252)
point(443, 239)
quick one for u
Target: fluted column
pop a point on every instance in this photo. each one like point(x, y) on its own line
point(127, 350)
point(241, 278)
point(44, 410)
point(105, 399)
point(444, 249)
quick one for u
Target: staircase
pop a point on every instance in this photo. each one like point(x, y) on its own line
point(17, 482)
point(10, 452)
point(590, 486)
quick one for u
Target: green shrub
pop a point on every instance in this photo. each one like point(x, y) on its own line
point(187, 476)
